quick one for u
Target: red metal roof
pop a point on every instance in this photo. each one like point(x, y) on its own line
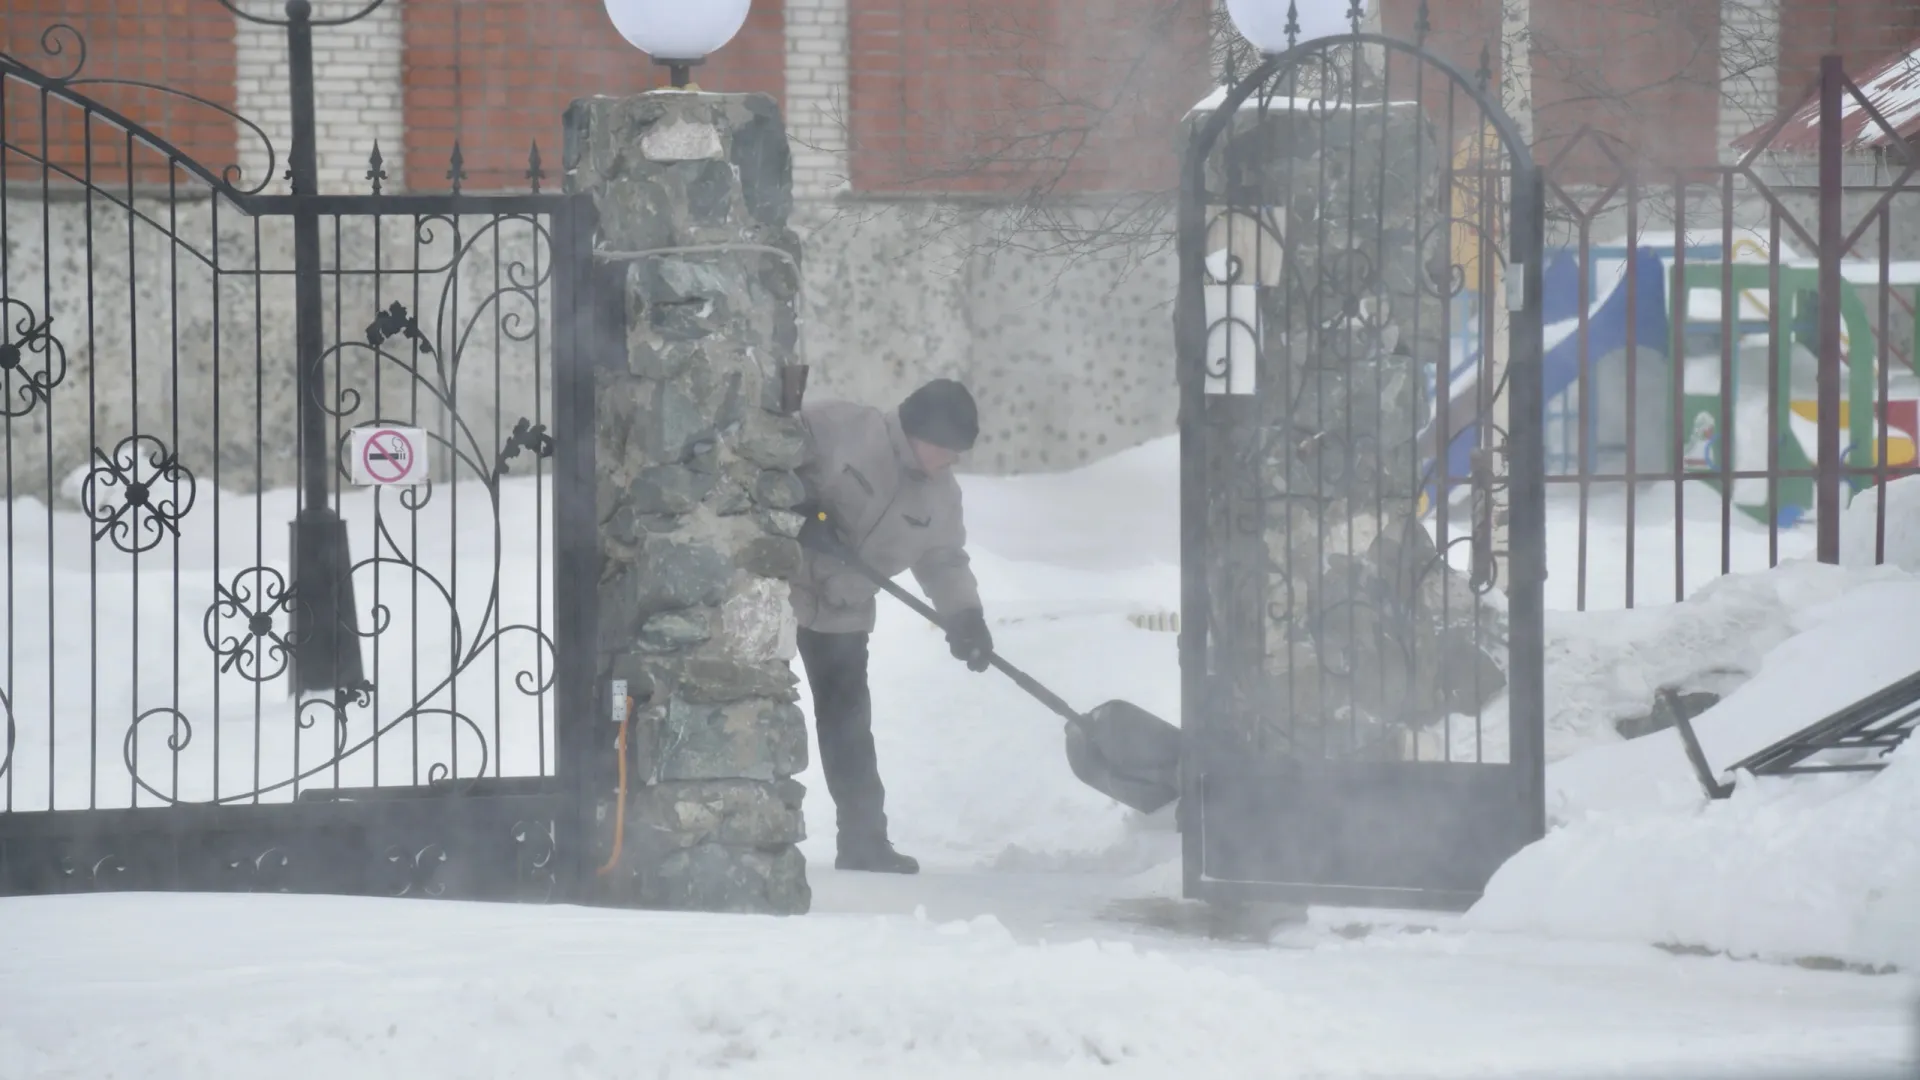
point(1893, 86)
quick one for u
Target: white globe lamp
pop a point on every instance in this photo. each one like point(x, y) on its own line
point(678, 33)
point(1264, 22)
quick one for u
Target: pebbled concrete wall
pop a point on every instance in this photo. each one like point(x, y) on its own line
point(142, 341)
point(1071, 358)
point(1070, 361)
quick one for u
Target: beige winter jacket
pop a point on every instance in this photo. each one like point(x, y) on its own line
point(862, 469)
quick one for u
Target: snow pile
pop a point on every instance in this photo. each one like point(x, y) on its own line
point(1594, 576)
point(1861, 536)
point(1119, 513)
point(1788, 867)
point(1606, 666)
point(1845, 649)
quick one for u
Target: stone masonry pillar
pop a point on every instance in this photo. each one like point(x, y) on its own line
point(695, 492)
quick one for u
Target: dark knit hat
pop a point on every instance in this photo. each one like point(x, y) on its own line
point(941, 413)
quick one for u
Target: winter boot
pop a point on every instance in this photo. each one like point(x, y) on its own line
point(878, 857)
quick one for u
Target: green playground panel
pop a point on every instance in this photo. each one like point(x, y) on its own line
point(1799, 287)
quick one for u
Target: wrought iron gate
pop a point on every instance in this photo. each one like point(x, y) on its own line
point(1362, 532)
point(296, 513)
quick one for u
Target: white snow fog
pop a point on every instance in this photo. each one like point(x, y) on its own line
point(954, 539)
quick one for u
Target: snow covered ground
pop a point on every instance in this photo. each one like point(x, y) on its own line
point(1050, 941)
point(293, 987)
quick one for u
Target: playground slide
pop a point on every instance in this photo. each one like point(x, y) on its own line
point(1708, 434)
point(1607, 334)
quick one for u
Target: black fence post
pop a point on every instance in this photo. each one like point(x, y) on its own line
point(585, 329)
point(1527, 495)
point(326, 624)
point(1827, 493)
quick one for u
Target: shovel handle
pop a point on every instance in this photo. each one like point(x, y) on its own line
point(1020, 678)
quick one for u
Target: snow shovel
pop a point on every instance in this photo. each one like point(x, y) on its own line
point(1119, 749)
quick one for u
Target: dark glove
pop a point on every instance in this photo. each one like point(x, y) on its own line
point(967, 636)
point(817, 532)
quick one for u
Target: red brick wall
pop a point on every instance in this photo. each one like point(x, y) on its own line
point(184, 44)
point(1458, 31)
point(1863, 32)
point(1643, 71)
point(498, 74)
point(994, 97)
point(1009, 97)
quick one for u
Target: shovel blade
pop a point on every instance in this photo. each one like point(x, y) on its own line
point(1127, 754)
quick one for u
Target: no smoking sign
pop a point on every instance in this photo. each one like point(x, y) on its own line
point(387, 456)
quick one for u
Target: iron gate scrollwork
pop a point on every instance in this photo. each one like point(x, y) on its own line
point(1362, 534)
point(228, 662)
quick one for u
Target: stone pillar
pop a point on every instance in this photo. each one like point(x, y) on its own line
point(695, 493)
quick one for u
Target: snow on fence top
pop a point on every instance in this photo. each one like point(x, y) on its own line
point(1276, 103)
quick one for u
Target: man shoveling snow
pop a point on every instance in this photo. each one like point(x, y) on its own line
point(882, 485)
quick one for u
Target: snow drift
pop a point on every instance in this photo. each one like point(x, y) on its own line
point(1789, 867)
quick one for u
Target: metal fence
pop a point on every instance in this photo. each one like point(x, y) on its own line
point(288, 487)
point(1420, 408)
point(1730, 367)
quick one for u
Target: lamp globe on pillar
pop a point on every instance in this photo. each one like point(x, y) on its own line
point(1264, 22)
point(678, 33)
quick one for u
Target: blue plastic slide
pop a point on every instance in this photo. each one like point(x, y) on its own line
point(1607, 334)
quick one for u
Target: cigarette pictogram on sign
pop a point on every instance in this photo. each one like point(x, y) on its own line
point(387, 456)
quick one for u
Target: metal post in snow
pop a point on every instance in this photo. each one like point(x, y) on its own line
point(327, 645)
point(1827, 481)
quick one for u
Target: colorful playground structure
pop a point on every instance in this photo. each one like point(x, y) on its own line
point(1754, 410)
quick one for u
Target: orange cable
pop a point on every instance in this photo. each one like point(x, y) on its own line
point(620, 809)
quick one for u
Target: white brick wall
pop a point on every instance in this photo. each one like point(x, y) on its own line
point(357, 93)
point(1749, 68)
point(817, 96)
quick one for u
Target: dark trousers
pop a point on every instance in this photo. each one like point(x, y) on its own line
point(843, 722)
